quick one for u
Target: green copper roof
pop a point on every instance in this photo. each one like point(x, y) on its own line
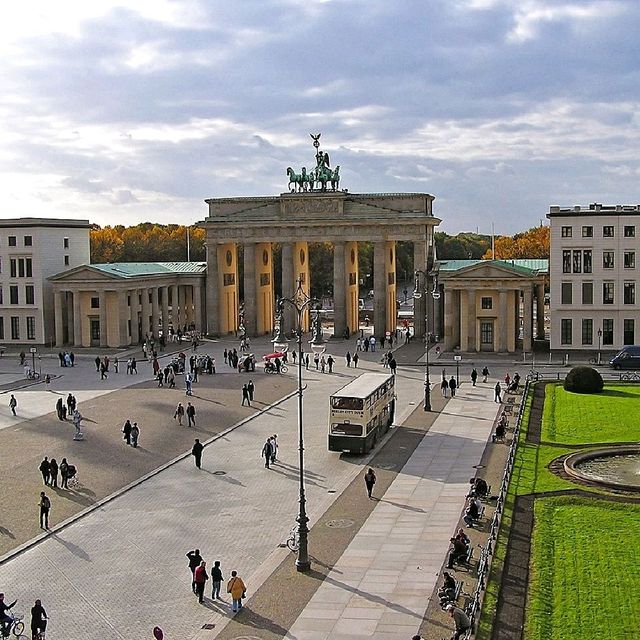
point(136, 269)
point(524, 266)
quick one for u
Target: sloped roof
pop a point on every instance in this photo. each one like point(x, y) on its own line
point(524, 266)
point(136, 269)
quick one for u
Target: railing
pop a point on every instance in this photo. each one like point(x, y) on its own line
point(484, 563)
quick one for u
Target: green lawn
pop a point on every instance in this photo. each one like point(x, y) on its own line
point(576, 418)
point(584, 577)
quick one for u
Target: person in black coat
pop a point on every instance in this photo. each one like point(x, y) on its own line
point(196, 452)
point(38, 620)
point(44, 470)
point(267, 452)
point(453, 386)
point(126, 429)
point(53, 473)
point(194, 562)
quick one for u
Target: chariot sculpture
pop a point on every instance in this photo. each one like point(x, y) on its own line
point(321, 178)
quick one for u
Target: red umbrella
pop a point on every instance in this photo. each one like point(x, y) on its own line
point(277, 354)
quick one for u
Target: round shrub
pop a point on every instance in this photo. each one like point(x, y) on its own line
point(583, 380)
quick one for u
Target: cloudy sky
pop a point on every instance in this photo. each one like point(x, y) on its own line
point(138, 110)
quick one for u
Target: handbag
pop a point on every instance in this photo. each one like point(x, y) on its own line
point(244, 593)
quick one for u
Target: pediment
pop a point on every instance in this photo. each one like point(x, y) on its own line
point(489, 271)
point(84, 273)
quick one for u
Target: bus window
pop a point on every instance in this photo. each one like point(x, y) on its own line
point(351, 404)
point(346, 429)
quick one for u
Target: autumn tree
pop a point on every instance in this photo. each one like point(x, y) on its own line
point(532, 244)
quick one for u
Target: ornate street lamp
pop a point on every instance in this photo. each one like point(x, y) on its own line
point(417, 294)
point(300, 301)
point(599, 343)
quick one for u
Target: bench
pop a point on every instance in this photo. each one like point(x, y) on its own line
point(509, 405)
point(444, 601)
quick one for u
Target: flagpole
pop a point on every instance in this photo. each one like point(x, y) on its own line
point(188, 247)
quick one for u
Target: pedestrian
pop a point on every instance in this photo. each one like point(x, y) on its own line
point(347, 357)
point(191, 415)
point(444, 387)
point(129, 366)
point(237, 589)
point(216, 580)
point(274, 447)
point(369, 480)
point(45, 505)
point(116, 364)
point(245, 395)
point(61, 358)
point(38, 621)
point(372, 343)
point(474, 376)
point(53, 473)
point(13, 403)
point(70, 404)
point(267, 452)
point(135, 434)
point(393, 365)
point(103, 371)
point(323, 364)
point(485, 373)
point(355, 360)
point(72, 358)
point(293, 356)
point(160, 377)
point(225, 356)
point(251, 388)
point(64, 474)
point(200, 577)
point(188, 384)
point(306, 361)
point(126, 429)
point(44, 470)
point(194, 562)
point(179, 413)
point(497, 393)
point(453, 386)
point(134, 366)
point(316, 360)
point(196, 452)
point(460, 619)
point(97, 361)
point(59, 406)
point(507, 380)
point(330, 362)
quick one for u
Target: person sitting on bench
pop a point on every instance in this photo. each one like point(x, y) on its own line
point(458, 552)
point(499, 433)
point(461, 535)
point(479, 487)
point(472, 513)
point(447, 591)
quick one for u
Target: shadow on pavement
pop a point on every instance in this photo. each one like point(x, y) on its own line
point(250, 618)
point(73, 548)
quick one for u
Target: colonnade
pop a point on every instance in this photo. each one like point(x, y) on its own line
point(118, 315)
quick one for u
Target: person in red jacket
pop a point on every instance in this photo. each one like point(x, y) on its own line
point(200, 577)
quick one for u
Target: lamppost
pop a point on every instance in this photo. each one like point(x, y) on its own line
point(417, 294)
point(300, 301)
point(599, 342)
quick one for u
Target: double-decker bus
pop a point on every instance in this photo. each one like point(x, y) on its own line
point(361, 413)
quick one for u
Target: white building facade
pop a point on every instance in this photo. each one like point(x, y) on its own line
point(32, 250)
point(593, 277)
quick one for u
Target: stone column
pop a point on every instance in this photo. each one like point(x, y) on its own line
point(212, 297)
point(264, 288)
point(449, 320)
point(472, 320)
point(182, 311)
point(133, 311)
point(250, 289)
point(420, 304)
point(379, 288)
point(438, 315)
point(197, 306)
point(464, 320)
point(71, 330)
point(540, 312)
point(58, 318)
point(339, 294)
point(104, 331)
point(165, 313)
point(352, 292)
point(390, 287)
point(527, 333)
point(146, 311)
point(288, 320)
point(123, 317)
point(77, 319)
point(155, 311)
point(188, 303)
point(502, 323)
point(175, 311)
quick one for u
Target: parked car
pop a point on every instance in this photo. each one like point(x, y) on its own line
point(627, 358)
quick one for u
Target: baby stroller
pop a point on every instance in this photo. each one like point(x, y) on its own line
point(72, 476)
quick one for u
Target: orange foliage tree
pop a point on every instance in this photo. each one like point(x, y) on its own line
point(533, 243)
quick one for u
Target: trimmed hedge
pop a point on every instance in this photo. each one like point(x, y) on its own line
point(583, 380)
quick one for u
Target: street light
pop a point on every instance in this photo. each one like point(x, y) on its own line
point(599, 341)
point(417, 294)
point(300, 301)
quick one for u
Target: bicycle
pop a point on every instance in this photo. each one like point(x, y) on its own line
point(16, 627)
point(630, 376)
point(293, 542)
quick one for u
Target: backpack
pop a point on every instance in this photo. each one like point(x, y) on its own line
point(46, 503)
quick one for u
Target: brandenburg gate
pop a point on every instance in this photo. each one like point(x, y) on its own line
point(315, 210)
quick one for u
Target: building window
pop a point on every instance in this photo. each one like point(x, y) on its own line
point(21, 267)
point(567, 232)
point(587, 331)
point(607, 232)
point(586, 261)
point(629, 232)
point(12, 241)
point(15, 328)
point(28, 241)
point(566, 331)
point(566, 261)
point(66, 261)
point(607, 259)
point(1, 328)
point(587, 293)
point(629, 336)
point(65, 243)
point(13, 268)
point(607, 331)
point(587, 232)
point(607, 293)
point(30, 294)
point(487, 303)
point(577, 261)
point(31, 328)
point(629, 259)
point(13, 294)
point(567, 293)
point(1, 300)
point(95, 303)
point(29, 269)
point(629, 292)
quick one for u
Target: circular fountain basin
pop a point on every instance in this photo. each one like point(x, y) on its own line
point(614, 467)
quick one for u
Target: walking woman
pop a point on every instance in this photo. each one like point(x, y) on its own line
point(369, 480)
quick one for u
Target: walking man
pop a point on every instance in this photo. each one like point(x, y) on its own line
point(196, 452)
point(45, 505)
point(245, 395)
point(497, 393)
point(369, 480)
point(347, 357)
point(179, 413)
point(237, 589)
point(274, 447)
point(13, 403)
point(191, 415)
point(200, 577)
point(135, 434)
point(216, 580)
point(453, 386)
point(355, 360)
point(474, 376)
point(330, 362)
point(267, 452)
point(485, 373)
point(126, 429)
point(45, 470)
point(251, 388)
point(194, 562)
point(53, 473)
point(444, 387)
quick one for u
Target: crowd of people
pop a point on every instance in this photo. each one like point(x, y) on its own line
point(199, 578)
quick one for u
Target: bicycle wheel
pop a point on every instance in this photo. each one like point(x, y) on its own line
point(624, 376)
point(284, 368)
point(18, 628)
point(293, 544)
